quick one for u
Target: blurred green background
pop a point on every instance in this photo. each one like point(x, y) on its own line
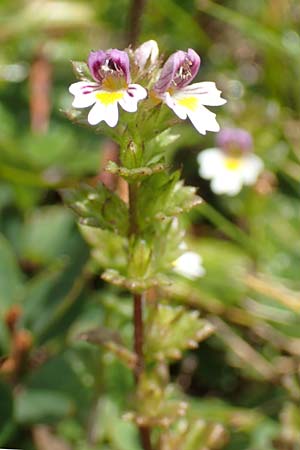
point(58, 392)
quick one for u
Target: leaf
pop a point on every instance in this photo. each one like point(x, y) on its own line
point(10, 276)
point(110, 340)
point(42, 406)
point(171, 199)
point(107, 421)
point(52, 299)
point(108, 249)
point(197, 434)
point(167, 245)
point(155, 148)
point(38, 302)
point(82, 71)
point(6, 412)
point(166, 138)
point(59, 159)
point(156, 404)
point(47, 234)
point(171, 330)
point(139, 259)
point(98, 207)
point(53, 391)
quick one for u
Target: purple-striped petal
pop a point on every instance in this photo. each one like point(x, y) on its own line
point(178, 71)
point(95, 62)
point(112, 63)
point(119, 62)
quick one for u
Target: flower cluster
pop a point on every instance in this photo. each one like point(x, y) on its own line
point(231, 164)
point(111, 85)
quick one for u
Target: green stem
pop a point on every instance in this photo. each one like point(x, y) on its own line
point(144, 431)
point(133, 222)
point(138, 334)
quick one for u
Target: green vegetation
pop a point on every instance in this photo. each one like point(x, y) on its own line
point(66, 331)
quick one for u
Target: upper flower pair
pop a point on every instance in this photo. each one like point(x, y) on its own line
point(112, 85)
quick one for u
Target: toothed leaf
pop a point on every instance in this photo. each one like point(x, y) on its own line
point(169, 331)
point(98, 207)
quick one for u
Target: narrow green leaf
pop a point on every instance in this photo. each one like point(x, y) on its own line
point(10, 276)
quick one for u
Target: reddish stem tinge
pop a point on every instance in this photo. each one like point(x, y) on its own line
point(138, 348)
point(138, 316)
point(40, 83)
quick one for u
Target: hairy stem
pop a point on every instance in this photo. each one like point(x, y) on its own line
point(138, 315)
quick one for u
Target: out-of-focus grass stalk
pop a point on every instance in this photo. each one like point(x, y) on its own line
point(77, 288)
point(293, 170)
point(243, 350)
point(229, 229)
point(268, 288)
point(178, 15)
point(20, 176)
point(262, 35)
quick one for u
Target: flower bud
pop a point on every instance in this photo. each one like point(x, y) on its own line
point(146, 54)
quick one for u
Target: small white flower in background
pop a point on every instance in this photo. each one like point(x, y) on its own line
point(112, 87)
point(146, 54)
point(189, 265)
point(232, 164)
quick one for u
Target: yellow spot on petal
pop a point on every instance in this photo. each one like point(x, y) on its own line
point(233, 163)
point(189, 103)
point(109, 97)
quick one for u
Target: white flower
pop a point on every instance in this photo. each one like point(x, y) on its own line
point(105, 102)
point(228, 173)
point(112, 87)
point(191, 101)
point(186, 100)
point(189, 265)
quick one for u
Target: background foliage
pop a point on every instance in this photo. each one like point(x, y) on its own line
point(58, 390)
